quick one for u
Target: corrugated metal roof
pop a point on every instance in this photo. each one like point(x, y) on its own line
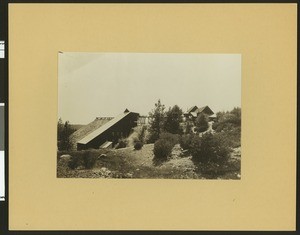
point(87, 129)
point(103, 128)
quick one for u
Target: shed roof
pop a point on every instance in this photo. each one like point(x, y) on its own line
point(199, 110)
point(103, 128)
point(87, 129)
point(191, 109)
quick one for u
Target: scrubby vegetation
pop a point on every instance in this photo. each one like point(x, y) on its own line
point(138, 145)
point(164, 145)
point(168, 148)
point(228, 127)
point(64, 130)
point(209, 149)
point(201, 123)
point(83, 159)
point(162, 149)
point(186, 141)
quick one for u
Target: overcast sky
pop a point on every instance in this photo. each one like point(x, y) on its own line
point(92, 85)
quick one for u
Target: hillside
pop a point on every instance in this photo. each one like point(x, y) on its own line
point(130, 163)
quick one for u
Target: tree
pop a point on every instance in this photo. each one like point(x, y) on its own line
point(173, 120)
point(60, 128)
point(201, 122)
point(156, 121)
point(65, 142)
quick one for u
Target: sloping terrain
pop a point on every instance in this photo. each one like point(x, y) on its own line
point(131, 163)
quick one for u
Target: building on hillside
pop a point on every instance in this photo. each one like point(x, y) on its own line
point(111, 131)
point(193, 112)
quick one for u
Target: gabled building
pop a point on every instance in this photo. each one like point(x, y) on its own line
point(111, 131)
point(193, 112)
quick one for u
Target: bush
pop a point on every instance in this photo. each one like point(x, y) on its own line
point(172, 138)
point(185, 141)
point(188, 128)
point(74, 162)
point(201, 123)
point(89, 160)
point(164, 145)
point(85, 158)
point(231, 138)
point(228, 126)
point(162, 149)
point(138, 145)
point(209, 148)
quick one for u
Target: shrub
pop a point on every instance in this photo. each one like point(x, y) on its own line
point(185, 141)
point(172, 138)
point(89, 160)
point(74, 162)
point(164, 145)
point(138, 145)
point(228, 126)
point(85, 158)
point(162, 149)
point(188, 128)
point(209, 148)
point(230, 138)
point(201, 123)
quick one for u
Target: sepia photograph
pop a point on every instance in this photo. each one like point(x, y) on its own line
point(149, 115)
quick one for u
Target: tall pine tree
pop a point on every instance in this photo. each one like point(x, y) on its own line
point(156, 121)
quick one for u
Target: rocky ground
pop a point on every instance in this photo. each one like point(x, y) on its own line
point(130, 163)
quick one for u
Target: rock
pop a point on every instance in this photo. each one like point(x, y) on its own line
point(128, 175)
point(65, 156)
point(102, 155)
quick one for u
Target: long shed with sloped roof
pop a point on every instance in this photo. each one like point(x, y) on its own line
point(113, 130)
